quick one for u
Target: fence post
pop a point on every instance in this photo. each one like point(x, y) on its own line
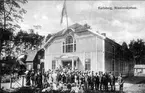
point(11, 82)
point(23, 80)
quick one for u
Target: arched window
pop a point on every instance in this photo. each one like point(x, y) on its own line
point(69, 45)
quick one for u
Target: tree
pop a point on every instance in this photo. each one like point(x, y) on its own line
point(126, 52)
point(124, 46)
point(137, 49)
point(11, 13)
point(28, 40)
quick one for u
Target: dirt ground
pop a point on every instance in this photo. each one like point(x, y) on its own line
point(134, 85)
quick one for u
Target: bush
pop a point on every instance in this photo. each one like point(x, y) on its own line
point(6, 78)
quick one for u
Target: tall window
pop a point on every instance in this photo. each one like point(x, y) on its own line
point(113, 64)
point(87, 64)
point(69, 45)
point(53, 64)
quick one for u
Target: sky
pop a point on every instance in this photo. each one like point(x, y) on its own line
point(121, 25)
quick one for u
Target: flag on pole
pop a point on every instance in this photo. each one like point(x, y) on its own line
point(64, 13)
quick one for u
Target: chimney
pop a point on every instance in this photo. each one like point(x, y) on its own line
point(87, 26)
point(104, 34)
point(97, 31)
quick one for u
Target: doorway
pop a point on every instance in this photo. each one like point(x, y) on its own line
point(67, 64)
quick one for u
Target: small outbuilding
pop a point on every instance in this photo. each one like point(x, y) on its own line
point(30, 58)
point(139, 70)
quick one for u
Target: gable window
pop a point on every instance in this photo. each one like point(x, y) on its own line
point(69, 45)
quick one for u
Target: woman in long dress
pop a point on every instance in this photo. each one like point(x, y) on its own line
point(50, 77)
point(76, 79)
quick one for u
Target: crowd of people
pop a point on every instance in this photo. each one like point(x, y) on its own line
point(68, 80)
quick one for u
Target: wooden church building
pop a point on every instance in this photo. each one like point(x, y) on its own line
point(78, 47)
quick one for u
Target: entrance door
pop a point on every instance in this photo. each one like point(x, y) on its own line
point(67, 64)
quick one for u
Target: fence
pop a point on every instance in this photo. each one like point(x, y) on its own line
point(15, 83)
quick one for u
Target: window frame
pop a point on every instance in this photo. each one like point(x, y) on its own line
point(68, 46)
point(53, 64)
point(88, 64)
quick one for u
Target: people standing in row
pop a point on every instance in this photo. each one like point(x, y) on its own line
point(89, 80)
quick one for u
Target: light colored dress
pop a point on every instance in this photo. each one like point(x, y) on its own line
point(50, 78)
point(54, 77)
point(76, 81)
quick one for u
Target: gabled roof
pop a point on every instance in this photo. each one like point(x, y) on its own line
point(31, 55)
point(76, 28)
point(139, 66)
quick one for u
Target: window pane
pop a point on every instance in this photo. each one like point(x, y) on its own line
point(87, 64)
point(74, 41)
point(74, 47)
point(69, 48)
point(69, 40)
point(66, 48)
point(53, 64)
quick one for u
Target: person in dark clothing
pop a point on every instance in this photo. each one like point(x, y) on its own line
point(112, 82)
point(77, 77)
point(58, 77)
point(39, 79)
point(103, 81)
point(106, 82)
point(28, 83)
point(69, 78)
point(72, 78)
point(82, 79)
point(63, 78)
point(89, 82)
point(96, 81)
point(92, 81)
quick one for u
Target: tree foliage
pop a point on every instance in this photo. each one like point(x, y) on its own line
point(22, 40)
point(126, 52)
point(11, 13)
point(29, 40)
point(137, 49)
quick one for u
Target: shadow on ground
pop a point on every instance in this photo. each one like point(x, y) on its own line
point(30, 90)
point(141, 82)
point(134, 80)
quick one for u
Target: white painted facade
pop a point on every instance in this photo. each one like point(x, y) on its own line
point(89, 46)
